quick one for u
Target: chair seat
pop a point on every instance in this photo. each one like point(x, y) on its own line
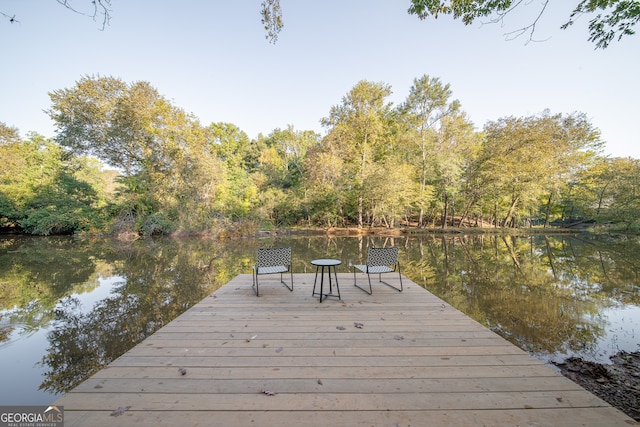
point(377, 269)
point(379, 260)
point(271, 270)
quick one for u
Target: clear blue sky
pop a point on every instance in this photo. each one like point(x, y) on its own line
point(211, 59)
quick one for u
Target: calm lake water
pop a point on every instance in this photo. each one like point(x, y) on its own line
point(69, 306)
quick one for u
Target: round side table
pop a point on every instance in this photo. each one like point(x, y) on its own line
point(321, 264)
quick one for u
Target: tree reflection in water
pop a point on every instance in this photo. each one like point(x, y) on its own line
point(547, 294)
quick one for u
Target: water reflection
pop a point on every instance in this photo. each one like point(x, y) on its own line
point(82, 303)
point(551, 295)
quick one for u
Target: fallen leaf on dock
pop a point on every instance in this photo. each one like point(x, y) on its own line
point(340, 328)
point(121, 410)
point(268, 392)
point(358, 325)
point(182, 371)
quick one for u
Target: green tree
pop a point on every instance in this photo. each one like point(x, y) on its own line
point(525, 159)
point(424, 110)
point(609, 190)
point(237, 195)
point(457, 143)
point(282, 174)
point(326, 176)
point(158, 147)
point(8, 134)
point(359, 130)
point(44, 191)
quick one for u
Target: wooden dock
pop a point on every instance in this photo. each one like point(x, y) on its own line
point(284, 359)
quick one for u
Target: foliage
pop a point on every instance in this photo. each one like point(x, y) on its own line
point(622, 16)
point(609, 191)
point(615, 18)
point(420, 163)
point(525, 158)
point(44, 191)
point(171, 165)
point(8, 134)
point(435, 143)
point(359, 135)
point(272, 19)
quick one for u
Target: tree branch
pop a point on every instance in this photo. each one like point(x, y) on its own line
point(272, 19)
point(100, 8)
point(531, 28)
point(622, 16)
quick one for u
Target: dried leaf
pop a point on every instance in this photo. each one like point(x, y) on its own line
point(320, 381)
point(182, 371)
point(252, 338)
point(121, 410)
point(398, 337)
point(268, 392)
point(340, 328)
point(358, 325)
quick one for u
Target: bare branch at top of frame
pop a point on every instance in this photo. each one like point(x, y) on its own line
point(101, 11)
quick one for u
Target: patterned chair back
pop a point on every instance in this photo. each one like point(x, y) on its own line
point(382, 256)
point(272, 257)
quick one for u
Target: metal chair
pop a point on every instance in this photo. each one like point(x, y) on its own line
point(271, 261)
point(379, 261)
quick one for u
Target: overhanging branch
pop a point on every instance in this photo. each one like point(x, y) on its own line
point(101, 8)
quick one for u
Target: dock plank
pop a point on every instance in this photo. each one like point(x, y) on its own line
point(285, 359)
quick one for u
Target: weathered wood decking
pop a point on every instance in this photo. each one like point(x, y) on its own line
point(390, 359)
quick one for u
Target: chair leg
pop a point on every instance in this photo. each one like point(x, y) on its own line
point(391, 286)
point(400, 289)
point(254, 284)
point(370, 291)
point(283, 282)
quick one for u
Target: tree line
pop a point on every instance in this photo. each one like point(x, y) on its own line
point(418, 164)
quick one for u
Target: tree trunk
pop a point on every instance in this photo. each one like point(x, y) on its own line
point(548, 211)
point(445, 213)
point(453, 216)
point(510, 211)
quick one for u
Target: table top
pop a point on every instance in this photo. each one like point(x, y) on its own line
point(326, 262)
